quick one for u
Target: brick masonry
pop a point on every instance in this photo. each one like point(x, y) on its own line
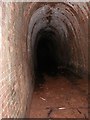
point(15, 77)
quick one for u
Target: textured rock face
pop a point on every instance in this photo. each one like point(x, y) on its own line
point(22, 26)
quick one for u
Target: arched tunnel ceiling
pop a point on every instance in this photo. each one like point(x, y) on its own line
point(69, 20)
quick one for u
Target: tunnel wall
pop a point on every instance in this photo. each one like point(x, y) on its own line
point(16, 46)
point(16, 80)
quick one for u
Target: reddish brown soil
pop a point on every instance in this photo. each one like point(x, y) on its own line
point(60, 97)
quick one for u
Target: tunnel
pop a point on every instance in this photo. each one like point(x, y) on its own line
point(46, 52)
point(44, 59)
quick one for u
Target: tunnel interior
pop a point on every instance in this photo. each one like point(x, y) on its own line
point(51, 54)
point(56, 35)
point(47, 53)
point(52, 57)
point(60, 60)
point(44, 40)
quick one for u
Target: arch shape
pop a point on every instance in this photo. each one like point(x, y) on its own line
point(63, 18)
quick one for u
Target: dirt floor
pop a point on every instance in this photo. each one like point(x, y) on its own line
point(60, 97)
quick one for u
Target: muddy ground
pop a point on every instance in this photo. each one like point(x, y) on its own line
point(60, 97)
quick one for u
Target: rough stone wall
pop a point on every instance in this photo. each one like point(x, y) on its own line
point(15, 79)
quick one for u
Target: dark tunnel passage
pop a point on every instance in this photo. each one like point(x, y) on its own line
point(47, 53)
point(59, 61)
point(52, 55)
point(56, 43)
